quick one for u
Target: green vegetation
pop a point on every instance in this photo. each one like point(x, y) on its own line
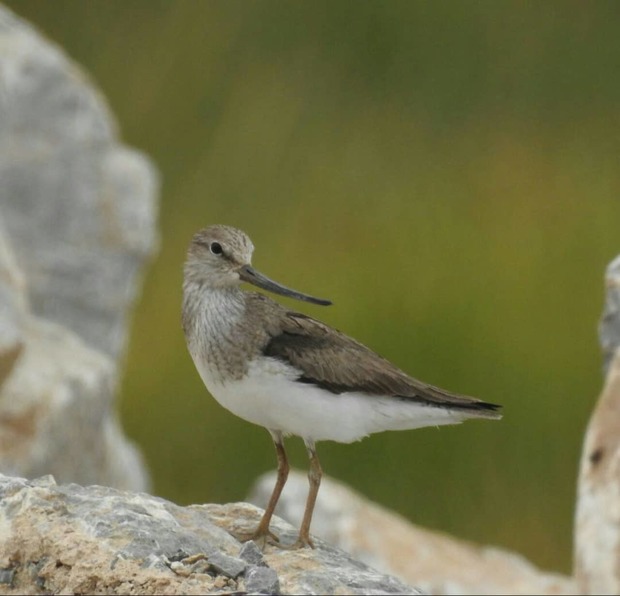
point(447, 173)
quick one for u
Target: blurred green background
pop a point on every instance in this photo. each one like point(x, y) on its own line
point(446, 172)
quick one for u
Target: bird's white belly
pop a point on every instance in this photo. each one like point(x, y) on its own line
point(269, 396)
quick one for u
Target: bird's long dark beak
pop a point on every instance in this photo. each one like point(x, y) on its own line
point(249, 274)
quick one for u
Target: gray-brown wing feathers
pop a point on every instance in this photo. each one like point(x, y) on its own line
point(338, 363)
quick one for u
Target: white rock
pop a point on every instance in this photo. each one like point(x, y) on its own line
point(79, 208)
point(12, 308)
point(597, 523)
point(56, 413)
point(435, 562)
point(77, 224)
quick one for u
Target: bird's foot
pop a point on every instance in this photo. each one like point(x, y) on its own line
point(261, 537)
point(301, 542)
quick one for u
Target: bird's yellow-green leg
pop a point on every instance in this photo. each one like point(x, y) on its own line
point(262, 535)
point(314, 478)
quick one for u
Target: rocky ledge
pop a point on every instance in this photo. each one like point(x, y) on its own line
point(70, 539)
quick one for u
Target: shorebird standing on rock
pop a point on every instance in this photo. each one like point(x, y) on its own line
point(291, 373)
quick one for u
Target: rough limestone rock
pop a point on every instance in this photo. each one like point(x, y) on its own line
point(61, 418)
point(12, 308)
point(597, 524)
point(77, 222)
point(435, 562)
point(609, 327)
point(79, 208)
point(74, 540)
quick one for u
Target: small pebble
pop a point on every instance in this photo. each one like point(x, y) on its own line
point(220, 582)
point(250, 553)
point(7, 576)
point(194, 558)
point(180, 569)
point(179, 555)
point(262, 580)
point(228, 566)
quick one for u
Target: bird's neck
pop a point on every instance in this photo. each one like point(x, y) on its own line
point(217, 308)
point(213, 322)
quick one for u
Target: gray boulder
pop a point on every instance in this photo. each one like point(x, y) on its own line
point(77, 223)
point(79, 208)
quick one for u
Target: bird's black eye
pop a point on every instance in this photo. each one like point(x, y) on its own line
point(216, 248)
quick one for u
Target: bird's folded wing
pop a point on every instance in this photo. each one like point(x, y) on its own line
point(335, 362)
